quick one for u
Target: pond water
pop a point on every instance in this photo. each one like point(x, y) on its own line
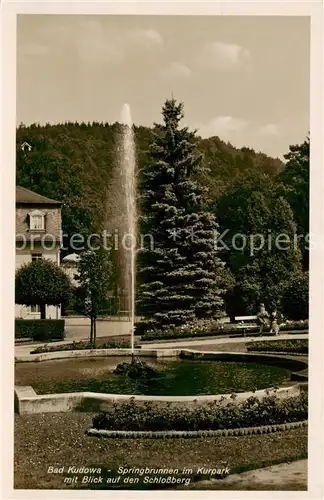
point(174, 377)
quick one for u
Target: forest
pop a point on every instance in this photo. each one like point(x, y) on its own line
point(248, 192)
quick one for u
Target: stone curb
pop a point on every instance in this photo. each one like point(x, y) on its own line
point(281, 353)
point(264, 429)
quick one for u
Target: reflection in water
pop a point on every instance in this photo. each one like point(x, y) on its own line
point(174, 378)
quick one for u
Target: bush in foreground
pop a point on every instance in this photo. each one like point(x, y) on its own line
point(253, 412)
point(39, 329)
point(83, 345)
point(289, 346)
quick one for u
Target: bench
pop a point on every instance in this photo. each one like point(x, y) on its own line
point(245, 322)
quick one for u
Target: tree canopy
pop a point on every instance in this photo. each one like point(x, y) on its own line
point(94, 277)
point(42, 283)
point(257, 235)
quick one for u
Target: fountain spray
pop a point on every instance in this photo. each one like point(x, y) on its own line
point(128, 164)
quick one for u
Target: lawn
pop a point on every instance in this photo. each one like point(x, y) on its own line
point(59, 440)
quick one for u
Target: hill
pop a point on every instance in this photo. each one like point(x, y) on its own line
point(74, 163)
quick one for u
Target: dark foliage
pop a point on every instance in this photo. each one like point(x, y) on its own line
point(295, 297)
point(36, 329)
point(294, 179)
point(42, 283)
point(180, 278)
point(135, 369)
point(289, 346)
point(252, 219)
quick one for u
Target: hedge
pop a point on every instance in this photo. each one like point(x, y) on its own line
point(39, 329)
point(289, 346)
point(253, 412)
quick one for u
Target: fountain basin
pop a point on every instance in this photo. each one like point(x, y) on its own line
point(28, 401)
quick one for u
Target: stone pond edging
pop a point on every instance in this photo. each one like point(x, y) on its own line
point(27, 401)
point(92, 353)
point(244, 431)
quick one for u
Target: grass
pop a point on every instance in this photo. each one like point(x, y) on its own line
point(290, 346)
point(60, 441)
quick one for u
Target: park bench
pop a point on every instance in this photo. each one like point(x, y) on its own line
point(245, 322)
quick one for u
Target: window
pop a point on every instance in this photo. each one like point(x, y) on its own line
point(36, 256)
point(37, 220)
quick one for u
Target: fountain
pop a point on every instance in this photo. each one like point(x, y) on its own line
point(198, 376)
point(128, 171)
point(136, 368)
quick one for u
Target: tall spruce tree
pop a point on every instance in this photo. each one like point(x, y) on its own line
point(180, 275)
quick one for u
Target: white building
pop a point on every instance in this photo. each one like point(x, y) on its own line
point(38, 235)
point(69, 265)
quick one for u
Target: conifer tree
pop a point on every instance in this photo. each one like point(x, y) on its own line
point(180, 274)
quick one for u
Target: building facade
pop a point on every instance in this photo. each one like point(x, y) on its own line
point(38, 235)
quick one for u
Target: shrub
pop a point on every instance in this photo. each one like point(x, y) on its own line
point(252, 412)
point(83, 345)
point(294, 301)
point(40, 329)
point(136, 369)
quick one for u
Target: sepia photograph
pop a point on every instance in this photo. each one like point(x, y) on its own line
point(162, 252)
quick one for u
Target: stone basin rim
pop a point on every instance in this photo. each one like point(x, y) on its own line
point(29, 402)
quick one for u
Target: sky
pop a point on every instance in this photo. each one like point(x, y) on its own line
point(244, 79)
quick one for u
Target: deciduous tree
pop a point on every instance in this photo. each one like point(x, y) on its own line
point(94, 276)
point(42, 283)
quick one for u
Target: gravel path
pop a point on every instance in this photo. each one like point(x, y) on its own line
point(238, 343)
point(290, 476)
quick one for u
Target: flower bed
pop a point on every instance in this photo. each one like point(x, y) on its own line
point(211, 416)
point(213, 328)
point(82, 345)
point(290, 346)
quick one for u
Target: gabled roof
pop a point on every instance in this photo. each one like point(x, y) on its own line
point(27, 197)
